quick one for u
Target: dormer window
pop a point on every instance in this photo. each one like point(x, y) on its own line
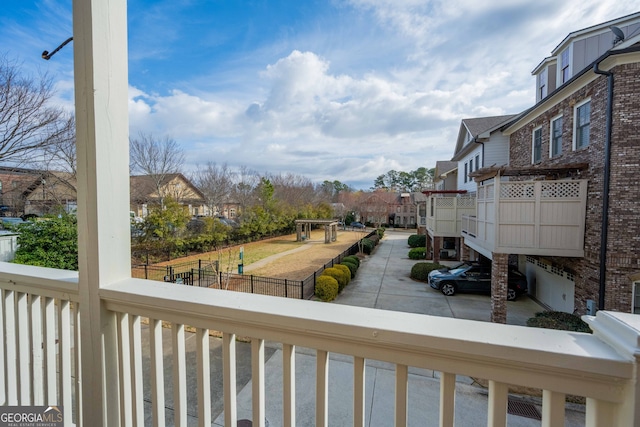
point(564, 66)
point(542, 84)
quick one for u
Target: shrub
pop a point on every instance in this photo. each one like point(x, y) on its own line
point(380, 232)
point(367, 246)
point(339, 275)
point(558, 320)
point(346, 270)
point(420, 270)
point(352, 258)
point(417, 253)
point(352, 268)
point(417, 241)
point(375, 239)
point(326, 288)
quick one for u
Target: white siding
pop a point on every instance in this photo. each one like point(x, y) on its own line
point(496, 150)
point(551, 287)
point(470, 185)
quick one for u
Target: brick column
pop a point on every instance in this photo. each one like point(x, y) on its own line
point(464, 251)
point(437, 244)
point(499, 278)
point(429, 246)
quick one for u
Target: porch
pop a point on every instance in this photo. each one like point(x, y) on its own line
point(75, 339)
point(529, 218)
point(42, 322)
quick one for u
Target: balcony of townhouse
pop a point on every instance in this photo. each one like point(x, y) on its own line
point(109, 350)
point(444, 212)
point(153, 357)
point(532, 217)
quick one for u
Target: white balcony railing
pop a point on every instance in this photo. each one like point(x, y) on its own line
point(40, 325)
point(444, 214)
point(529, 218)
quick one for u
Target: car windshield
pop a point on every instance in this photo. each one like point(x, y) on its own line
point(457, 270)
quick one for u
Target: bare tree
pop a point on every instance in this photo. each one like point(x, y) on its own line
point(60, 155)
point(27, 120)
point(156, 158)
point(216, 182)
point(244, 188)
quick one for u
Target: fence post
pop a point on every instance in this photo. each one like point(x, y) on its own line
point(251, 283)
point(285, 288)
point(302, 289)
point(146, 271)
point(199, 264)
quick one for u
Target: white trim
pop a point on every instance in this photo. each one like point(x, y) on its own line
point(533, 145)
point(551, 122)
point(575, 122)
point(559, 80)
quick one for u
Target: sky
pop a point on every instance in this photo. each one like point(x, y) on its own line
point(331, 90)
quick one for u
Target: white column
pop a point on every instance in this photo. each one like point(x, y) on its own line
point(102, 135)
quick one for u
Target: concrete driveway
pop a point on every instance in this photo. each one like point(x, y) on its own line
point(383, 281)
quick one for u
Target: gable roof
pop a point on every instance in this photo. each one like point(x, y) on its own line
point(143, 187)
point(478, 128)
point(444, 167)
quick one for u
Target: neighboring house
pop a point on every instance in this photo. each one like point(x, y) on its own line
point(378, 208)
point(480, 143)
point(51, 192)
point(445, 176)
point(570, 154)
point(147, 191)
point(406, 210)
point(14, 182)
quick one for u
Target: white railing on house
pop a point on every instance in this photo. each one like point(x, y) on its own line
point(600, 367)
point(529, 218)
point(445, 212)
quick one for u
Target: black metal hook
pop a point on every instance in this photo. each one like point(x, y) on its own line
point(46, 55)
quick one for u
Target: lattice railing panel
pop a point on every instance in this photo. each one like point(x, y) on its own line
point(517, 190)
point(560, 190)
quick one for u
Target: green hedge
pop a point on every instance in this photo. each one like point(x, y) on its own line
point(326, 288)
point(339, 275)
point(558, 320)
point(417, 241)
point(367, 246)
point(417, 253)
point(420, 270)
point(352, 268)
point(345, 270)
point(352, 258)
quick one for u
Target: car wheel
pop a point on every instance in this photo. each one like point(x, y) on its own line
point(449, 289)
point(511, 294)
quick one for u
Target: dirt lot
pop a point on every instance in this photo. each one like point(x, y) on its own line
point(267, 258)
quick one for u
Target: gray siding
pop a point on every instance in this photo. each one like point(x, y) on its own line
point(496, 151)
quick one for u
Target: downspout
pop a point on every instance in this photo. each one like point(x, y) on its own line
point(605, 185)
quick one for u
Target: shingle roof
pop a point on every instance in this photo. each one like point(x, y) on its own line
point(480, 125)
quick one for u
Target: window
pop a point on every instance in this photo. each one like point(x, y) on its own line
point(537, 145)
point(542, 84)
point(564, 70)
point(582, 124)
point(470, 167)
point(477, 161)
point(466, 172)
point(636, 297)
point(556, 137)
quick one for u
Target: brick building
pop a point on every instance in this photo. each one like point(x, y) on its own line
point(584, 127)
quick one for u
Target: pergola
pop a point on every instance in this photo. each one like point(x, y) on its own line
point(303, 227)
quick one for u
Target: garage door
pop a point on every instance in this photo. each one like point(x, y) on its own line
point(551, 285)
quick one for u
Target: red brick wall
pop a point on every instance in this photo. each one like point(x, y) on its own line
point(623, 246)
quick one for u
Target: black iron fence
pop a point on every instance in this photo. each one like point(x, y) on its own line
point(206, 274)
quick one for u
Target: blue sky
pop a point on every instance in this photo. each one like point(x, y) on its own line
point(334, 89)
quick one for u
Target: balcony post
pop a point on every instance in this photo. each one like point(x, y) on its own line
point(102, 140)
point(499, 280)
